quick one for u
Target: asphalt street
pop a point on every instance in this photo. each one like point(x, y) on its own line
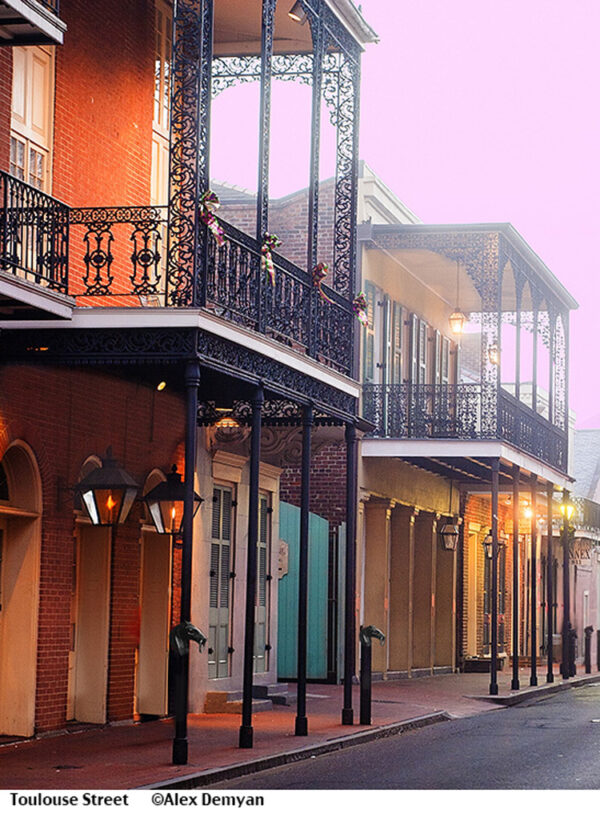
point(549, 744)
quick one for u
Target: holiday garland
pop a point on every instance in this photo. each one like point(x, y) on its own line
point(359, 306)
point(209, 203)
point(270, 242)
point(321, 271)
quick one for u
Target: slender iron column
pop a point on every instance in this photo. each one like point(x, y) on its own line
point(533, 615)
point(246, 731)
point(566, 625)
point(301, 720)
point(350, 624)
point(192, 382)
point(494, 625)
point(515, 579)
point(549, 585)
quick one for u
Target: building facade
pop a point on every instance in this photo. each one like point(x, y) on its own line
point(141, 332)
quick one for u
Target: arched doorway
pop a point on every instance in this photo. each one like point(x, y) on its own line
point(20, 545)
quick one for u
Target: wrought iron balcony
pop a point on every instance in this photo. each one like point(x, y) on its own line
point(462, 411)
point(118, 256)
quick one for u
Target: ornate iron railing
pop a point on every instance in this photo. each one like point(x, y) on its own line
point(459, 411)
point(52, 5)
point(34, 234)
point(117, 255)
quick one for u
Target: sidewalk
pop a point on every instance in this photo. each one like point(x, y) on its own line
point(137, 755)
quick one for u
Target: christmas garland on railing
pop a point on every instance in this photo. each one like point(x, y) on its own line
point(209, 203)
point(359, 306)
point(270, 242)
point(321, 271)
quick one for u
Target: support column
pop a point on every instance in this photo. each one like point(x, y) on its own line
point(549, 585)
point(424, 592)
point(515, 684)
point(192, 382)
point(350, 592)
point(566, 625)
point(377, 574)
point(401, 588)
point(246, 731)
point(301, 720)
point(494, 620)
point(533, 614)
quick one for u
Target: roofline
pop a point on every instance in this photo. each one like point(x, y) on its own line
point(509, 231)
point(352, 19)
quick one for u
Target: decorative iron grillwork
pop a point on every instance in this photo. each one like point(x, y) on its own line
point(458, 411)
point(34, 234)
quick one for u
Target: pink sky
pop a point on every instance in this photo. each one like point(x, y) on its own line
point(472, 111)
point(476, 111)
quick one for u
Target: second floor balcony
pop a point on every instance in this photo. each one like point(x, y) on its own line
point(502, 377)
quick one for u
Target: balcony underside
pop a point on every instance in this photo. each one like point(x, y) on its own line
point(23, 300)
point(30, 22)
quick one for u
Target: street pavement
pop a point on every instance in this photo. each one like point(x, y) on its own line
point(552, 743)
point(138, 755)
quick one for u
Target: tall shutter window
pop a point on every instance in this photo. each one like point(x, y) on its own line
point(423, 353)
point(445, 361)
point(220, 583)
point(414, 349)
point(437, 350)
point(369, 335)
point(386, 340)
point(396, 345)
point(261, 625)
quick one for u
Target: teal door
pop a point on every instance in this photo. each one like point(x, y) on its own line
point(318, 570)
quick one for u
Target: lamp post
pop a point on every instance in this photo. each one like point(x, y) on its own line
point(566, 509)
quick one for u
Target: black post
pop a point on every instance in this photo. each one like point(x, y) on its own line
point(515, 580)
point(246, 731)
point(494, 625)
point(301, 720)
point(533, 614)
point(598, 650)
point(192, 382)
point(366, 653)
point(588, 649)
point(349, 622)
point(566, 625)
point(549, 587)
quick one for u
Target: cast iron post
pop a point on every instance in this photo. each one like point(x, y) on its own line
point(494, 625)
point(192, 382)
point(515, 580)
point(350, 625)
point(549, 587)
point(301, 720)
point(533, 614)
point(246, 731)
point(566, 625)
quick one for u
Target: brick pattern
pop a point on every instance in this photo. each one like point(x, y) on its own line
point(85, 413)
point(328, 484)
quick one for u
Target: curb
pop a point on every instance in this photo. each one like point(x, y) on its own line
point(535, 692)
point(207, 778)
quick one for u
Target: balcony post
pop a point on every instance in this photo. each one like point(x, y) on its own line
point(301, 720)
point(515, 579)
point(566, 625)
point(494, 620)
point(246, 731)
point(533, 614)
point(313, 189)
point(549, 585)
point(350, 587)
point(264, 123)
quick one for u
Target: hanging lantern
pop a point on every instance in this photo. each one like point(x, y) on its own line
point(107, 492)
point(165, 504)
point(449, 534)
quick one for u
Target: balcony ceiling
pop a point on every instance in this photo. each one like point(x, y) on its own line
point(237, 29)
point(29, 22)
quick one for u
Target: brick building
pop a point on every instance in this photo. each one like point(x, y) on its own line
point(131, 319)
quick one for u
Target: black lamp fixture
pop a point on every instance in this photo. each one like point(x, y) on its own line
point(488, 545)
point(107, 492)
point(165, 504)
point(449, 534)
point(297, 13)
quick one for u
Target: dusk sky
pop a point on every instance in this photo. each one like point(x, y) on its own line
point(476, 111)
point(472, 111)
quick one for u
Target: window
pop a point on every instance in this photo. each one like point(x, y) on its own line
point(221, 565)
point(369, 336)
point(263, 585)
point(32, 116)
point(396, 344)
point(161, 119)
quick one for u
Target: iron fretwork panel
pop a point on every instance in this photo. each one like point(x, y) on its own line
point(456, 411)
point(34, 234)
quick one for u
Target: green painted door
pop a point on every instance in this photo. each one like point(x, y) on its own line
point(318, 569)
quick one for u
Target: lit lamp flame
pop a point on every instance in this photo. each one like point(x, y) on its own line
point(457, 321)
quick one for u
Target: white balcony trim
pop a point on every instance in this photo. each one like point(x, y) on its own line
point(35, 296)
point(458, 448)
point(39, 16)
point(117, 318)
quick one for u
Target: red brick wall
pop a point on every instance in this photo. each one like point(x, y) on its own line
point(66, 416)
point(103, 103)
point(328, 484)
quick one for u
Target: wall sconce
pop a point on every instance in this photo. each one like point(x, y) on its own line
point(107, 492)
point(488, 545)
point(297, 13)
point(449, 535)
point(165, 504)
